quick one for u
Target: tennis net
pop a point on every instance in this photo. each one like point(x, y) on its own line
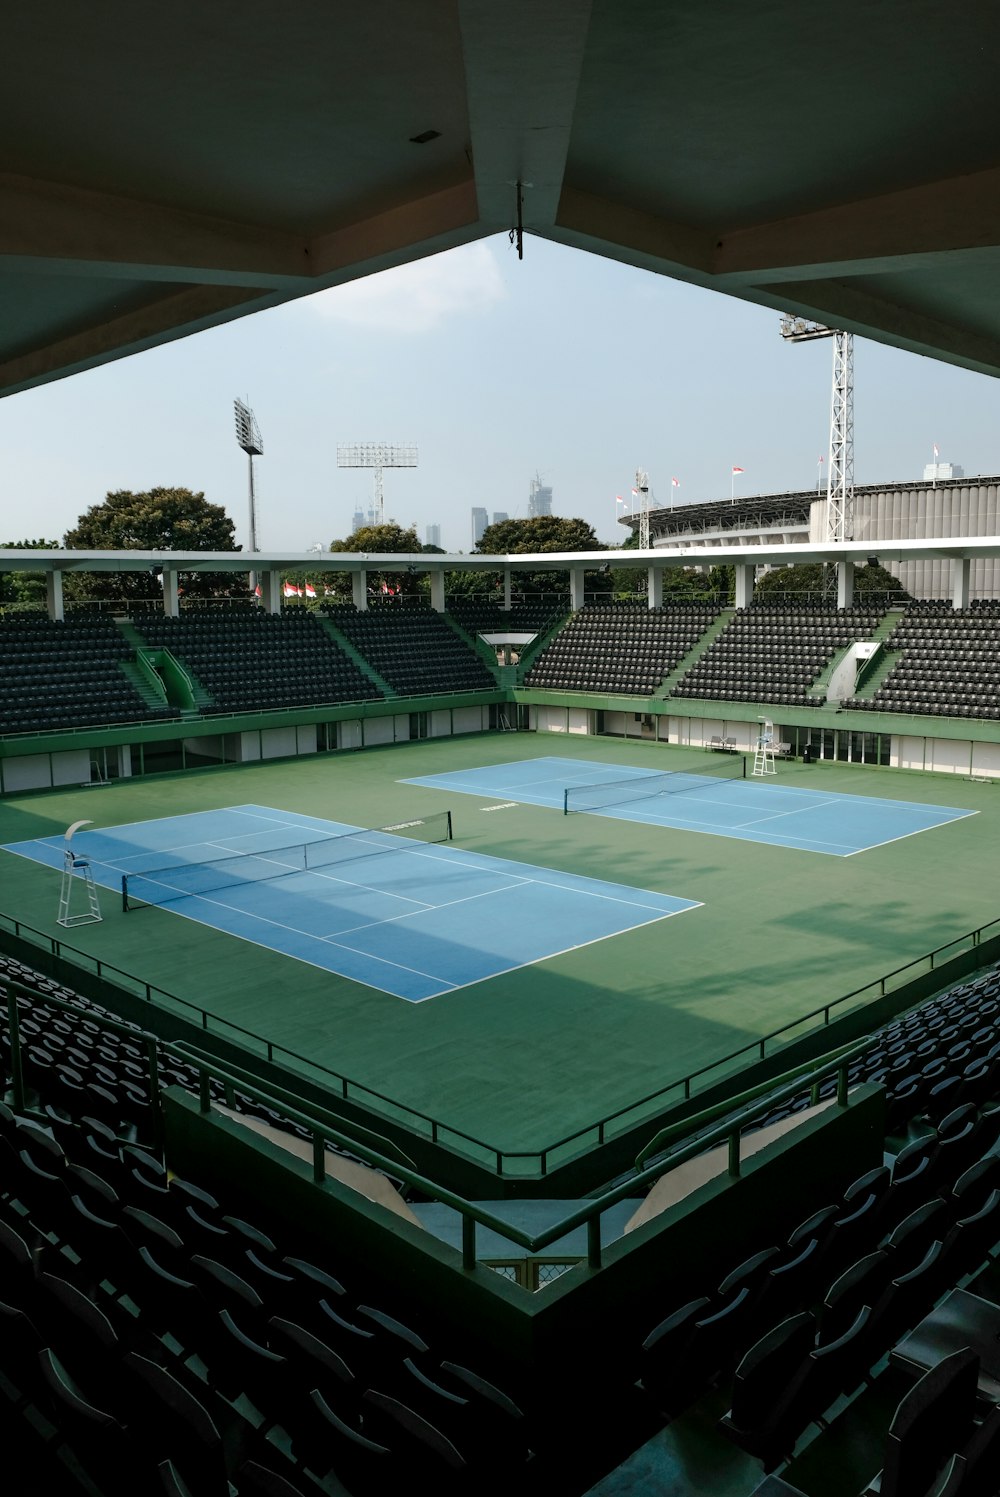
point(603, 793)
point(185, 877)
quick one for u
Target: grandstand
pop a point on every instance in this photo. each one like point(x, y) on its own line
point(708, 1206)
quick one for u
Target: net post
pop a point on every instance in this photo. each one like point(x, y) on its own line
point(125, 893)
point(566, 802)
point(449, 826)
point(744, 774)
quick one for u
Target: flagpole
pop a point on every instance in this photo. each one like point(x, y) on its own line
point(732, 485)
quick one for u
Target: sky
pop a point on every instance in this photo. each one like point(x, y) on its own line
point(564, 366)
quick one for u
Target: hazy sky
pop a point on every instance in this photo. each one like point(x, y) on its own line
point(565, 365)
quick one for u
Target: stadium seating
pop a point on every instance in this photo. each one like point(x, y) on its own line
point(949, 664)
point(173, 1339)
point(774, 654)
point(414, 649)
point(56, 675)
point(251, 661)
point(622, 647)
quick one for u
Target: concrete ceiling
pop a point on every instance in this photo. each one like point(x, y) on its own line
point(170, 167)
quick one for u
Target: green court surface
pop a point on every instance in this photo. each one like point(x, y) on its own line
point(526, 1057)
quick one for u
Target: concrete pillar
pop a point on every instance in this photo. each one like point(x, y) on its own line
point(576, 587)
point(54, 594)
point(961, 567)
point(506, 588)
point(845, 584)
point(744, 584)
point(171, 606)
point(270, 591)
point(359, 589)
point(654, 587)
point(437, 590)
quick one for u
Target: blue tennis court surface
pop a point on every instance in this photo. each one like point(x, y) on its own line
point(417, 920)
point(752, 810)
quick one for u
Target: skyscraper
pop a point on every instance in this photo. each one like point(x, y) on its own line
point(480, 520)
point(499, 516)
point(432, 535)
point(539, 497)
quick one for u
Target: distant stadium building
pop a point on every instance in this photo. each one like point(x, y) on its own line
point(945, 506)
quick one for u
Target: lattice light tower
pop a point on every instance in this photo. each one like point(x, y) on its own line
point(376, 455)
point(248, 437)
point(642, 489)
point(840, 469)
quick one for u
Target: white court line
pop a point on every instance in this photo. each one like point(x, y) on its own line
point(777, 815)
point(916, 832)
point(427, 909)
point(564, 951)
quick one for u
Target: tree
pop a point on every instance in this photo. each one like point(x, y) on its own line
point(380, 540)
point(161, 519)
point(815, 582)
point(539, 533)
point(24, 589)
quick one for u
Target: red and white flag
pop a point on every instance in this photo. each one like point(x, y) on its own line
point(291, 591)
point(310, 590)
point(675, 483)
point(737, 470)
point(257, 592)
point(820, 460)
point(619, 499)
point(636, 493)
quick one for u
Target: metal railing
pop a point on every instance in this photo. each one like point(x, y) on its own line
point(508, 1163)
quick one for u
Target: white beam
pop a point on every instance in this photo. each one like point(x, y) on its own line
point(54, 593)
point(961, 568)
point(845, 584)
point(359, 588)
point(654, 587)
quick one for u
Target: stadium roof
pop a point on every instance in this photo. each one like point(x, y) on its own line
point(782, 553)
point(170, 167)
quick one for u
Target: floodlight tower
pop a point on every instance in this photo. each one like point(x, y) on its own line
point(376, 455)
point(642, 489)
point(248, 437)
point(840, 468)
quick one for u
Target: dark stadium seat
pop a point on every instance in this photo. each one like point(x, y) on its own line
point(932, 1422)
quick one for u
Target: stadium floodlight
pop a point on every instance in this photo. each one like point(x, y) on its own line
point(248, 437)
point(840, 469)
point(376, 455)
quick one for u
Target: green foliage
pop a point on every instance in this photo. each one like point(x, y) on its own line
point(817, 582)
point(540, 533)
point(379, 540)
point(161, 519)
point(537, 534)
point(24, 589)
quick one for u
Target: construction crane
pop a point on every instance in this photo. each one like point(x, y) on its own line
point(840, 468)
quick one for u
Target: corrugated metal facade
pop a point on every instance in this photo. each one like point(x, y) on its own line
point(922, 512)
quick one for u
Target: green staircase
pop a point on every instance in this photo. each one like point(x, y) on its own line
point(160, 678)
point(709, 637)
point(486, 653)
point(878, 667)
point(331, 630)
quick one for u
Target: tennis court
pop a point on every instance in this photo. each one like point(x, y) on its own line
point(712, 798)
point(401, 909)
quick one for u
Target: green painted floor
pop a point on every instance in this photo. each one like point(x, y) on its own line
point(530, 1056)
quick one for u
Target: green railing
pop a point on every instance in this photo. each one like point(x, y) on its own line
point(509, 1163)
point(473, 1214)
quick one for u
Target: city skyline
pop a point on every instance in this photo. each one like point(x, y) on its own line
point(567, 372)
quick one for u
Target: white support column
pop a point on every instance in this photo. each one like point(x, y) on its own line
point(171, 606)
point(506, 588)
point(654, 587)
point(845, 584)
point(576, 588)
point(744, 584)
point(54, 594)
point(359, 589)
point(961, 567)
point(270, 591)
point(437, 591)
